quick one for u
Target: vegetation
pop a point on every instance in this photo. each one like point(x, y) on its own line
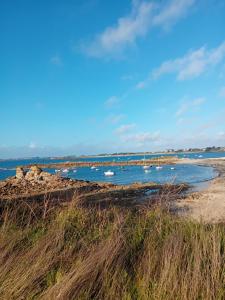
point(74, 252)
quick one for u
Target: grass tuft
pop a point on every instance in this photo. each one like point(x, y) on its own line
point(114, 253)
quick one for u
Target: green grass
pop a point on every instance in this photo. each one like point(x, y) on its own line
point(113, 253)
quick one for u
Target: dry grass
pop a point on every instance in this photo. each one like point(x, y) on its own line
point(114, 253)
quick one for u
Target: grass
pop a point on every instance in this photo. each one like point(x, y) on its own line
point(115, 253)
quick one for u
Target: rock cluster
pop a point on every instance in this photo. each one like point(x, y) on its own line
point(20, 173)
point(34, 174)
point(35, 181)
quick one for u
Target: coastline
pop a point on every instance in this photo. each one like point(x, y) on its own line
point(164, 153)
point(207, 205)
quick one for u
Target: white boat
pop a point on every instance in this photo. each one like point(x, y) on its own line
point(147, 171)
point(96, 169)
point(158, 168)
point(74, 171)
point(57, 170)
point(65, 170)
point(146, 167)
point(200, 156)
point(172, 168)
point(109, 173)
point(93, 167)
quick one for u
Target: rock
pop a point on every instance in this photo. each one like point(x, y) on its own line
point(20, 173)
point(33, 173)
point(36, 170)
point(3, 184)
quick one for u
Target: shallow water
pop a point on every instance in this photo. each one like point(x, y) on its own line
point(191, 174)
point(130, 174)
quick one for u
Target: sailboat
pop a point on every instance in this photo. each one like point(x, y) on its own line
point(145, 167)
point(158, 168)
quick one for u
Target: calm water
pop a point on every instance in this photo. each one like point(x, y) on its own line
point(182, 173)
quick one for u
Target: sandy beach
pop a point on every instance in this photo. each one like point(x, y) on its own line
point(207, 205)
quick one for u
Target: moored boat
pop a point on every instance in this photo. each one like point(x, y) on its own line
point(109, 173)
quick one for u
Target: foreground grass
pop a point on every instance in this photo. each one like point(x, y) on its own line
point(84, 253)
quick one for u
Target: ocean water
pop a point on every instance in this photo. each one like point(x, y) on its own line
point(183, 173)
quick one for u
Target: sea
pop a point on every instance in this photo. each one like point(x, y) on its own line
point(182, 173)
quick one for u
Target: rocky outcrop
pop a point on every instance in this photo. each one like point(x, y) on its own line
point(33, 173)
point(20, 173)
point(35, 181)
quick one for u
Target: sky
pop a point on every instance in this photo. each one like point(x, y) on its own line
point(95, 76)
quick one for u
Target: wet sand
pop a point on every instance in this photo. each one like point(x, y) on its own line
point(208, 205)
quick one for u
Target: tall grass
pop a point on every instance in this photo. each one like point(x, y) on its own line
point(114, 253)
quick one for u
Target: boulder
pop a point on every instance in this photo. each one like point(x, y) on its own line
point(33, 173)
point(36, 170)
point(20, 173)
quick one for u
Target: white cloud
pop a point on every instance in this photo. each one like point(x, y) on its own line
point(123, 129)
point(144, 15)
point(112, 102)
point(128, 136)
point(192, 64)
point(142, 138)
point(56, 60)
point(114, 39)
point(172, 12)
point(187, 106)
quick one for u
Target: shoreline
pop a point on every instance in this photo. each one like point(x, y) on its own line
point(39, 186)
point(207, 205)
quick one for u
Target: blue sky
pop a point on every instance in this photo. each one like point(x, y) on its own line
point(86, 77)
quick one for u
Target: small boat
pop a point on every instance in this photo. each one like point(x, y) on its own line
point(147, 171)
point(93, 167)
point(146, 167)
point(172, 168)
point(200, 156)
point(109, 173)
point(74, 171)
point(158, 168)
point(96, 169)
point(57, 170)
point(65, 170)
